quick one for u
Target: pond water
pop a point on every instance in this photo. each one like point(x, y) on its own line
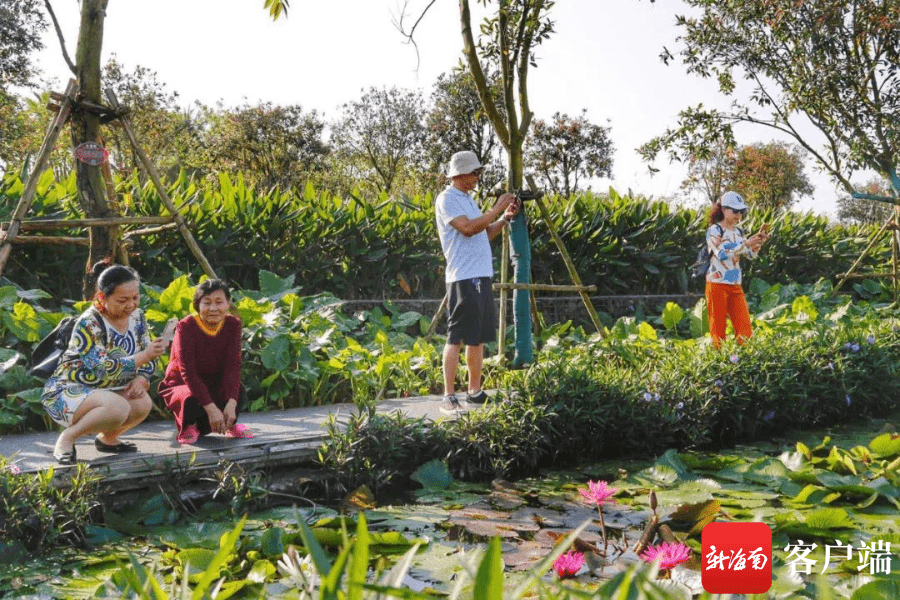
point(789, 485)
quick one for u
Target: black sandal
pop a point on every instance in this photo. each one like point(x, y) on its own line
point(119, 448)
point(66, 458)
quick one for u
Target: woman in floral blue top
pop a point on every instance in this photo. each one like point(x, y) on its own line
point(100, 385)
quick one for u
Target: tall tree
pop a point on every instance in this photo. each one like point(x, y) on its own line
point(21, 25)
point(770, 176)
point(457, 122)
point(567, 149)
point(382, 134)
point(86, 128)
point(831, 64)
point(273, 146)
point(168, 134)
point(710, 174)
point(86, 125)
point(866, 212)
point(510, 34)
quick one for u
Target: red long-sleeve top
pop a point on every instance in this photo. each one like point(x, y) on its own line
point(210, 366)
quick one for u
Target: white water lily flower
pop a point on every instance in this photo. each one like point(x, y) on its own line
point(300, 571)
point(270, 318)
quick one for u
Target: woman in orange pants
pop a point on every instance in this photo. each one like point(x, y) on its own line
point(726, 243)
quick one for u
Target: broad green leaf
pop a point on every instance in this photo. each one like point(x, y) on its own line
point(672, 315)
point(226, 547)
point(886, 445)
point(261, 571)
point(829, 518)
point(23, 322)
point(274, 287)
point(803, 309)
point(276, 355)
point(176, 298)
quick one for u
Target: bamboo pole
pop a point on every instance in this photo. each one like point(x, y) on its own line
point(50, 224)
point(573, 273)
point(545, 287)
point(434, 320)
point(862, 255)
point(50, 137)
point(895, 252)
point(504, 278)
point(870, 275)
point(53, 240)
point(151, 230)
point(115, 231)
point(164, 196)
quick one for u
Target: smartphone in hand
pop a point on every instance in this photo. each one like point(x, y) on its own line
point(169, 332)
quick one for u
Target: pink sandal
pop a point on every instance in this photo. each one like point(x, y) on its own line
point(189, 435)
point(239, 431)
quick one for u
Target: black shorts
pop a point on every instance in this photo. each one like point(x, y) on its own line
point(471, 319)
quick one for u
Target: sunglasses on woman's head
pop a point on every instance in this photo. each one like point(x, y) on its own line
point(739, 211)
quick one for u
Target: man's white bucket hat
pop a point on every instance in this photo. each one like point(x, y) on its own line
point(463, 163)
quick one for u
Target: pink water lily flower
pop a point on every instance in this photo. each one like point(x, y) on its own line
point(568, 564)
point(598, 493)
point(669, 555)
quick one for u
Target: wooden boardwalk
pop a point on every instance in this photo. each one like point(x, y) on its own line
point(282, 438)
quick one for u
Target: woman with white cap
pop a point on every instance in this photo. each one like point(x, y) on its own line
point(727, 244)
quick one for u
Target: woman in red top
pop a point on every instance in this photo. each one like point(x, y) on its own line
point(203, 380)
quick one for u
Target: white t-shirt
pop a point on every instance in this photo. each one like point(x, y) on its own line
point(467, 257)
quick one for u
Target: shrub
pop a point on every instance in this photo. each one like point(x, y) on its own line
point(39, 513)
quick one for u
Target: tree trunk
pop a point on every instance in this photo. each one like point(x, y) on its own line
point(511, 132)
point(86, 128)
point(520, 254)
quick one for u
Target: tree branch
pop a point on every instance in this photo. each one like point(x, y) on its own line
point(410, 36)
point(481, 84)
point(59, 34)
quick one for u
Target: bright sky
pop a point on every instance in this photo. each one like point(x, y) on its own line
point(603, 57)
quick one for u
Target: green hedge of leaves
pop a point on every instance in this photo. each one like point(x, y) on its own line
point(379, 247)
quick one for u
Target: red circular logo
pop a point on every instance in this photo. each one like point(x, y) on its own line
point(91, 153)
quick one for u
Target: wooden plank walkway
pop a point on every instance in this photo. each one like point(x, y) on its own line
point(283, 438)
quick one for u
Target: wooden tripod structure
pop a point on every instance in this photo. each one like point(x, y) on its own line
point(504, 286)
point(892, 225)
point(64, 104)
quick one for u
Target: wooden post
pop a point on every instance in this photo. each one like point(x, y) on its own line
point(154, 176)
point(573, 273)
point(47, 146)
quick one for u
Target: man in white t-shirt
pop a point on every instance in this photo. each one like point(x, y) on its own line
point(465, 235)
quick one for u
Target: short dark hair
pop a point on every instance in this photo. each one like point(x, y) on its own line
point(109, 276)
point(208, 287)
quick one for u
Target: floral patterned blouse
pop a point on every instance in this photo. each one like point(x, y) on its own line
point(726, 246)
point(103, 359)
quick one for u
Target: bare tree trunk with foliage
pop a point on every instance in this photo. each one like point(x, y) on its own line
point(86, 128)
point(515, 29)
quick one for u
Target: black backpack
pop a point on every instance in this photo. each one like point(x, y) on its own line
point(45, 357)
point(701, 266)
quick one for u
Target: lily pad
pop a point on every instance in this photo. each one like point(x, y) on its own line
point(433, 475)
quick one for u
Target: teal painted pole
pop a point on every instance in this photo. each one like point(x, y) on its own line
point(520, 249)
